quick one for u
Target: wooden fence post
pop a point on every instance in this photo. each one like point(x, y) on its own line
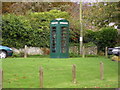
point(101, 71)
point(41, 77)
point(74, 73)
point(106, 51)
point(25, 51)
point(1, 79)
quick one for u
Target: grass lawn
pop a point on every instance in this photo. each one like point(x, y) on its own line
point(24, 73)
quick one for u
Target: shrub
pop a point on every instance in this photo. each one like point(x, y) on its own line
point(21, 54)
point(31, 30)
point(16, 31)
point(89, 36)
point(74, 55)
point(106, 37)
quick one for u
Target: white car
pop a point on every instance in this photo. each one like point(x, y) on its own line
point(116, 51)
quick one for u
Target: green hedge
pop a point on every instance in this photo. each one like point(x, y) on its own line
point(32, 29)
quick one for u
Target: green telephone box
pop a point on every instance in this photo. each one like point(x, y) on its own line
point(59, 38)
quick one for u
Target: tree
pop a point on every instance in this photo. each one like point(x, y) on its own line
point(22, 8)
point(6, 7)
point(101, 14)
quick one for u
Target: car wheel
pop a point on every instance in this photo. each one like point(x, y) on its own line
point(3, 54)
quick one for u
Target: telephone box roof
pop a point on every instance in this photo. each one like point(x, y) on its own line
point(59, 20)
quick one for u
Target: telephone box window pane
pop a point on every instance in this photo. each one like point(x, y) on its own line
point(63, 39)
point(53, 27)
point(53, 51)
point(53, 39)
point(64, 28)
point(63, 50)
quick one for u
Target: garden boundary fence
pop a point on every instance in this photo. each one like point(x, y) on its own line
point(41, 75)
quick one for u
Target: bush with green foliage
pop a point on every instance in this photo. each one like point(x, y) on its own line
point(89, 36)
point(105, 37)
point(16, 30)
point(32, 29)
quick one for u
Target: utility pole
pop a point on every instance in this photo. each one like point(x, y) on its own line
point(81, 29)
